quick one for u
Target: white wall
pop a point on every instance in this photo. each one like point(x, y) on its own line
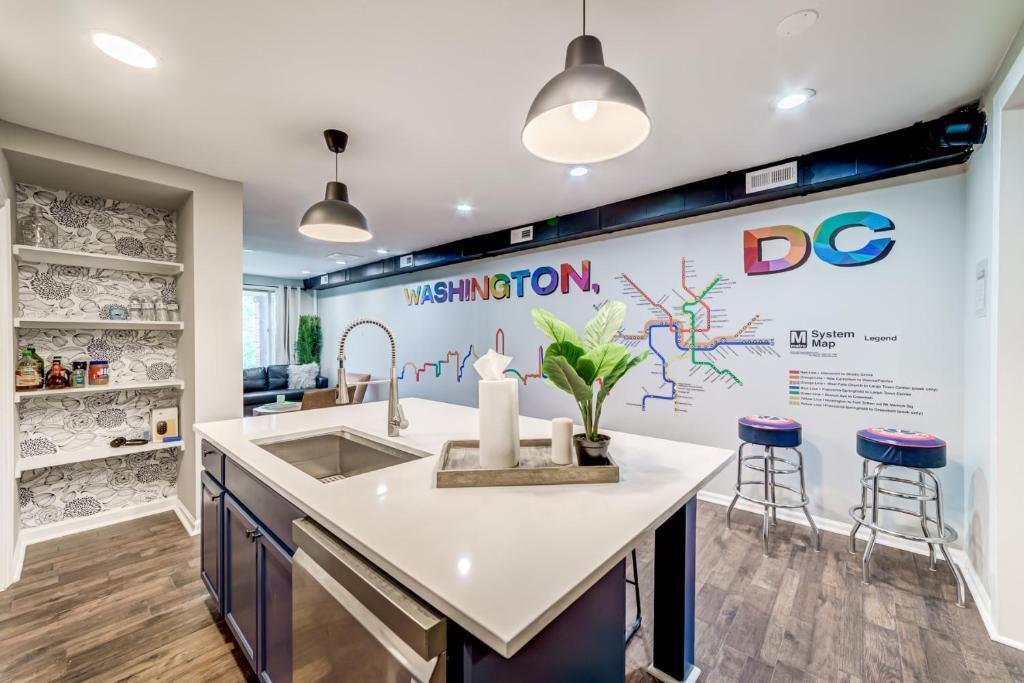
point(914, 294)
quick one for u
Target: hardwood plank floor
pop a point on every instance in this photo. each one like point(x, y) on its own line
point(125, 603)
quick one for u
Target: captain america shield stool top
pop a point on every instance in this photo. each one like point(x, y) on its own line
point(771, 433)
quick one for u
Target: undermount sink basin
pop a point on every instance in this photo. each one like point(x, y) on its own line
point(337, 455)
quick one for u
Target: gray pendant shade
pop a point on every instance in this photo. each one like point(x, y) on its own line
point(588, 113)
point(334, 219)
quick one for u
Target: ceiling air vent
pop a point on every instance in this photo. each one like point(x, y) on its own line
point(771, 177)
point(520, 235)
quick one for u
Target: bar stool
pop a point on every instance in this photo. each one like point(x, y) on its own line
point(771, 432)
point(908, 450)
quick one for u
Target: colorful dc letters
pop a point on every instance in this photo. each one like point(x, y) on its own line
point(824, 243)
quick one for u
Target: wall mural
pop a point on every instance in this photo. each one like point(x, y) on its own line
point(53, 494)
point(96, 225)
point(134, 355)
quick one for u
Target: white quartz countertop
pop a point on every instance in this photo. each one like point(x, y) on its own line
point(501, 562)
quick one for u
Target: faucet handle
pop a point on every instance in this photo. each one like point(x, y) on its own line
point(402, 422)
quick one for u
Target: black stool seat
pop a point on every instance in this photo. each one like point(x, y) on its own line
point(901, 447)
point(766, 430)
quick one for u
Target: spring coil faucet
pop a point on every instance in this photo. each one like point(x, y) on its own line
point(396, 416)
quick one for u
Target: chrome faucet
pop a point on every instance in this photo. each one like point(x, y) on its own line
point(396, 416)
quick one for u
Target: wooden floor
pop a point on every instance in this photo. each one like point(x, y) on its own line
point(125, 603)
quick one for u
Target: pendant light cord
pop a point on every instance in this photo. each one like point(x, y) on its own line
point(335, 167)
point(584, 17)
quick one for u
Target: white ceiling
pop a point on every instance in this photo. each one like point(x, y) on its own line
point(433, 95)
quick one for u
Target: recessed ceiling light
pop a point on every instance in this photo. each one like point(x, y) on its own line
point(124, 50)
point(464, 208)
point(306, 272)
point(382, 251)
point(247, 251)
point(796, 23)
point(577, 171)
point(340, 263)
point(794, 99)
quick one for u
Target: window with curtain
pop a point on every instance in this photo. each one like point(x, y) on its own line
point(259, 322)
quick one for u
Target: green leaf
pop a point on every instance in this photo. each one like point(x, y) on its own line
point(604, 326)
point(624, 366)
point(605, 357)
point(563, 376)
point(567, 350)
point(554, 328)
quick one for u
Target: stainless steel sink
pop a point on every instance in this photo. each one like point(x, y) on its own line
point(337, 455)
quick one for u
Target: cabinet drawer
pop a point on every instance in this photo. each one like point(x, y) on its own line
point(273, 511)
point(213, 461)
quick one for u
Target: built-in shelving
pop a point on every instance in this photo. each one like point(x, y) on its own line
point(20, 396)
point(84, 324)
point(86, 454)
point(27, 254)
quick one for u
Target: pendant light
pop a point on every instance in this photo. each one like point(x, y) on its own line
point(334, 219)
point(589, 112)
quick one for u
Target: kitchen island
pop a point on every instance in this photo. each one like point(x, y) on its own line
point(507, 566)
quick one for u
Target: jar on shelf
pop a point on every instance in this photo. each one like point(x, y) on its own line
point(173, 313)
point(135, 309)
point(148, 311)
point(35, 232)
point(161, 312)
point(99, 372)
point(79, 373)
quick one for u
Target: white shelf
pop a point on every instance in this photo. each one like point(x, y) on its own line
point(26, 254)
point(19, 396)
point(82, 324)
point(86, 454)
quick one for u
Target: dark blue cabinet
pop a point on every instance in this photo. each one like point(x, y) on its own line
point(211, 567)
point(241, 577)
point(246, 566)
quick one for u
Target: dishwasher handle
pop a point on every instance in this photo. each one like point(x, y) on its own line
point(419, 626)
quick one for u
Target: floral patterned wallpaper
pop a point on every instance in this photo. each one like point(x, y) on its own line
point(52, 291)
point(134, 355)
point(54, 494)
point(87, 223)
point(83, 222)
point(68, 423)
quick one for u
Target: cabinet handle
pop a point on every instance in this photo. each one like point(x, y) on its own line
point(252, 534)
point(214, 497)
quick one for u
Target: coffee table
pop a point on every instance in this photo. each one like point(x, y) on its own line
point(277, 407)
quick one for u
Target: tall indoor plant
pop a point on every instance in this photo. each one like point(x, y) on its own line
point(587, 369)
point(309, 340)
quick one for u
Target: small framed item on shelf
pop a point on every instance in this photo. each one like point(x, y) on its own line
point(118, 312)
point(165, 425)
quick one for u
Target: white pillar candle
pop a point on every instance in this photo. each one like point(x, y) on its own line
point(561, 441)
point(499, 423)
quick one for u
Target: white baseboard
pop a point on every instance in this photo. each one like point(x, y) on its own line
point(186, 518)
point(19, 561)
point(30, 535)
point(971, 577)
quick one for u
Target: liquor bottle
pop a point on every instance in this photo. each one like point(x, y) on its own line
point(26, 376)
point(40, 365)
point(57, 377)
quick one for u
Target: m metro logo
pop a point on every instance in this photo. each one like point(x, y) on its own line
point(798, 339)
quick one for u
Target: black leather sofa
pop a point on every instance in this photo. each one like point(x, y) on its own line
point(264, 385)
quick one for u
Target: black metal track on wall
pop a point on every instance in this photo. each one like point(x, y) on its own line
point(945, 141)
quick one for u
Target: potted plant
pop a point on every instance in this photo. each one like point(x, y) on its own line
point(587, 369)
point(309, 340)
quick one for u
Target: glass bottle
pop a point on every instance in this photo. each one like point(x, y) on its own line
point(40, 366)
point(26, 375)
point(57, 377)
point(78, 373)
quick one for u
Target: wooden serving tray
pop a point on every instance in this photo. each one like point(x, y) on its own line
point(459, 465)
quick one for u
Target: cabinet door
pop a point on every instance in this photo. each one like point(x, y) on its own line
point(211, 541)
point(275, 612)
point(241, 578)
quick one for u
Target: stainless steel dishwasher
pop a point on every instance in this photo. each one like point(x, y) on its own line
point(351, 622)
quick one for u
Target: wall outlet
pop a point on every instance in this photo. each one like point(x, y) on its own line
point(520, 235)
point(405, 261)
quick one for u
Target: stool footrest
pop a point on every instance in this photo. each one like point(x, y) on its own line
point(949, 535)
point(772, 504)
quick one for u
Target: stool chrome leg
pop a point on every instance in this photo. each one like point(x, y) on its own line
point(816, 535)
point(870, 547)
point(863, 507)
point(767, 514)
point(961, 593)
point(771, 455)
point(739, 480)
point(924, 523)
point(635, 626)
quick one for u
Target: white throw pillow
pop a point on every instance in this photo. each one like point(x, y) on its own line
point(302, 376)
